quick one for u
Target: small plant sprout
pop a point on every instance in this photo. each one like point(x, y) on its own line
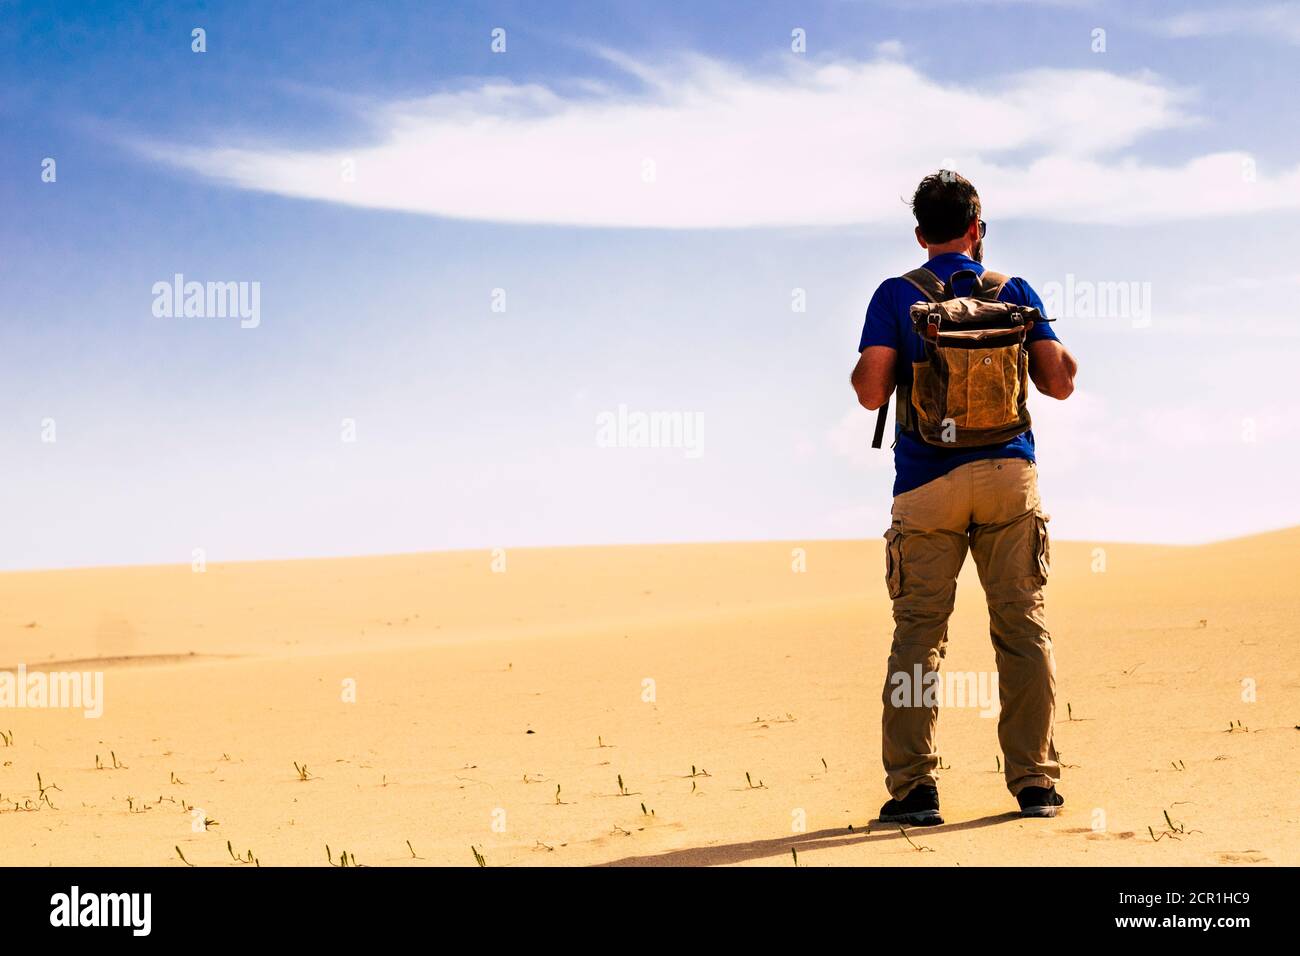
point(919, 849)
point(43, 793)
point(943, 766)
point(645, 812)
point(795, 854)
point(1178, 765)
point(176, 780)
point(414, 855)
point(303, 773)
point(622, 788)
point(479, 858)
point(8, 737)
point(345, 858)
point(997, 760)
point(241, 859)
point(117, 765)
point(1174, 830)
point(700, 772)
point(752, 786)
point(182, 856)
point(825, 766)
point(1236, 727)
point(558, 802)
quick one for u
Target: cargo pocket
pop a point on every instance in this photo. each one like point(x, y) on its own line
point(894, 561)
point(1042, 547)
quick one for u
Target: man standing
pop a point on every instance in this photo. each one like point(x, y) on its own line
point(965, 480)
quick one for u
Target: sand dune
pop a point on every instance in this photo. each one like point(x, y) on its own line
point(478, 694)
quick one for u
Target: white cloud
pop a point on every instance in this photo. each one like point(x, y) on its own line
point(702, 144)
point(1273, 21)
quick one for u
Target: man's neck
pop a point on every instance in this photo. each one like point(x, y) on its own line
point(946, 248)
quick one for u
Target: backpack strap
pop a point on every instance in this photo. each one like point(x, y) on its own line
point(881, 415)
point(927, 283)
point(930, 286)
point(986, 285)
point(991, 284)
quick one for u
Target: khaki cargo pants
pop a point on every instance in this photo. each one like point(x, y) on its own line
point(992, 507)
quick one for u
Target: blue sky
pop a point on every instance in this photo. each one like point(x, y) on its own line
point(1168, 163)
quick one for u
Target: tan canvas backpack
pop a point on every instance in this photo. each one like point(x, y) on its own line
point(972, 386)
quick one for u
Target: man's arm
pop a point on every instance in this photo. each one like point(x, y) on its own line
point(873, 376)
point(1052, 368)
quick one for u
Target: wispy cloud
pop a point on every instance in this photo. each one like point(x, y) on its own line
point(703, 144)
point(1270, 21)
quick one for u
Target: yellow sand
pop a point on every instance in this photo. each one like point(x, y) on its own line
point(217, 683)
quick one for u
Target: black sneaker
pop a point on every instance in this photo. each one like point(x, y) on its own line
point(920, 808)
point(1039, 801)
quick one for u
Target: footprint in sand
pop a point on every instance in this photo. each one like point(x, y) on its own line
point(1101, 834)
point(1244, 856)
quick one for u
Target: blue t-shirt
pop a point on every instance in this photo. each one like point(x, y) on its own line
point(889, 323)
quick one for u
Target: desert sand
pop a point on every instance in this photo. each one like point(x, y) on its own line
point(737, 699)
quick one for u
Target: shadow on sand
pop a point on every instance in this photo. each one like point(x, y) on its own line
point(725, 854)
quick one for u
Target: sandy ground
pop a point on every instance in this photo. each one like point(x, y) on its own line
point(481, 695)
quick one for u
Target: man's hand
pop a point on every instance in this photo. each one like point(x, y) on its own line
point(873, 376)
point(1052, 368)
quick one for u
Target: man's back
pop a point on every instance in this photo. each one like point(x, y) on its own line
point(889, 324)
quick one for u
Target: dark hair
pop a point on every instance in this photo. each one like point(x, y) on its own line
point(945, 204)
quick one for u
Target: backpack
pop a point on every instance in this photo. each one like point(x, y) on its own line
point(971, 388)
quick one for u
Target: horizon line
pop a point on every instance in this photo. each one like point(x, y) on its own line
point(374, 556)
